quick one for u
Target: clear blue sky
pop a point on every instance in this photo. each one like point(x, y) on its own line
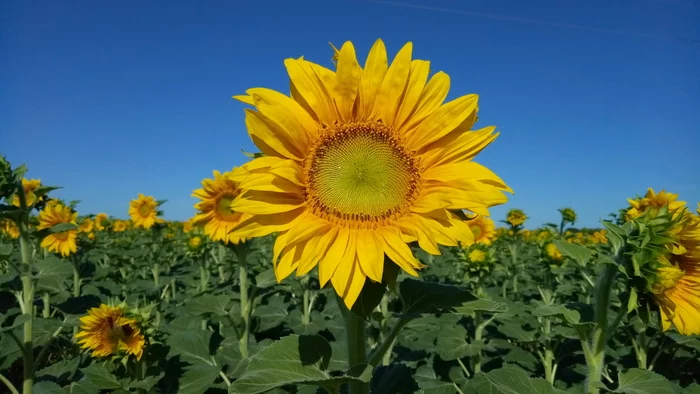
point(596, 100)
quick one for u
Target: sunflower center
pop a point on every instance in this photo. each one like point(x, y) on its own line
point(62, 236)
point(144, 211)
point(360, 172)
point(223, 205)
point(476, 230)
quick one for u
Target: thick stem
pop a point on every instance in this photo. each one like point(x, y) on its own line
point(28, 298)
point(46, 300)
point(76, 279)
point(548, 361)
point(477, 338)
point(203, 280)
point(156, 275)
point(306, 312)
point(241, 252)
point(357, 353)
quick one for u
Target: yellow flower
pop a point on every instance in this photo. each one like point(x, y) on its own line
point(106, 330)
point(215, 214)
point(63, 242)
point(516, 217)
point(652, 201)
point(91, 236)
point(677, 286)
point(568, 215)
point(194, 243)
point(483, 228)
point(553, 252)
point(188, 225)
point(477, 256)
point(119, 226)
point(29, 186)
point(357, 163)
point(9, 227)
point(600, 236)
point(144, 211)
point(100, 220)
point(87, 225)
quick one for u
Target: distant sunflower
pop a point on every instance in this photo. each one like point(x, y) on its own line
point(553, 252)
point(100, 221)
point(144, 211)
point(9, 227)
point(29, 186)
point(87, 225)
point(188, 225)
point(653, 201)
point(516, 217)
point(106, 331)
point(63, 242)
point(215, 215)
point(119, 226)
point(359, 162)
point(483, 228)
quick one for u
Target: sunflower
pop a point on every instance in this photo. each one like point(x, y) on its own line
point(87, 225)
point(600, 236)
point(568, 215)
point(106, 330)
point(194, 243)
point(477, 256)
point(516, 217)
point(483, 228)
point(358, 163)
point(676, 287)
point(119, 226)
point(29, 186)
point(188, 225)
point(144, 212)
point(653, 201)
point(100, 220)
point(10, 228)
point(215, 214)
point(62, 242)
point(553, 252)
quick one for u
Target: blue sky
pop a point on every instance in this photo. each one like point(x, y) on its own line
point(596, 100)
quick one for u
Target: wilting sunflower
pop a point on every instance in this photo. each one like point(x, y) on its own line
point(516, 217)
point(215, 215)
point(676, 285)
point(9, 227)
point(653, 201)
point(63, 242)
point(100, 221)
point(144, 212)
point(29, 186)
point(483, 228)
point(87, 225)
point(106, 331)
point(359, 162)
point(119, 226)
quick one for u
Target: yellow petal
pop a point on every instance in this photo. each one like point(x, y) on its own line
point(286, 113)
point(373, 74)
point(262, 225)
point(310, 86)
point(270, 138)
point(416, 82)
point(398, 251)
point(347, 81)
point(443, 121)
point(255, 202)
point(432, 97)
point(319, 250)
point(370, 253)
point(459, 146)
point(335, 253)
point(393, 85)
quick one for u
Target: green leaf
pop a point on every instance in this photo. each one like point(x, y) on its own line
point(101, 377)
point(59, 228)
point(146, 383)
point(481, 305)
point(198, 378)
point(394, 378)
point(571, 316)
point(19, 320)
point(79, 305)
point(509, 380)
point(61, 370)
point(292, 360)
point(47, 388)
point(266, 279)
point(452, 344)
point(271, 316)
point(370, 296)
point(427, 297)
point(52, 273)
point(641, 381)
point(578, 253)
point(193, 346)
point(5, 250)
point(218, 305)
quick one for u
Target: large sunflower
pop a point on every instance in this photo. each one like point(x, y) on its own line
point(29, 186)
point(359, 162)
point(62, 242)
point(483, 228)
point(106, 330)
point(144, 211)
point(215, 215)
point(653, 201)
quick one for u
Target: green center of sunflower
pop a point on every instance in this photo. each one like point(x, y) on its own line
point(144, 210)
point(476, 230)
point(223, 206)
point(360, 172)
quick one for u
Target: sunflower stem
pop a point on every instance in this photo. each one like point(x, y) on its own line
point(156, 275)
point(357, 352)
point(27, 293)
point(242, 254)
point(306, 312)
point(46, 300)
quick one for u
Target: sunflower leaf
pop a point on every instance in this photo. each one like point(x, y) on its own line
point(59, 228)
point(639, 381)
point(578, 253)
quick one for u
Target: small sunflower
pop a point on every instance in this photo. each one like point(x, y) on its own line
point(87, 225)
point(652, 202)
point(100, 221)
point(194, 243)
point(63, 242)
point(477, 256)
point(9, 227)
point(107, 331)
point(568, 215)
point(358, 163)
point(600, 236)
point(215, 215)
point(188, 225)
point(483, 228)
point(119, 226)
point(144, 211)
point(29, 186)
point(553, 252)
point(516, 217)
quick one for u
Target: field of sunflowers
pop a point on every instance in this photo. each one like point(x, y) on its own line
point(354, 253)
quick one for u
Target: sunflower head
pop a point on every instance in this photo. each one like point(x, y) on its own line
point(483, 228)
point(568, 215)
point(144, 212)
point(9, 228)
point(188, 225)
point(64, 242)
point(195, 243)
point(553, 253)
point(108, 330)
point(119, 226)
point(101, 221)
point(652, 202)
point(87, 225)
point(215, 215)
point(516, 217)
point(600, 236)
point(478, 258)
point(30, 186)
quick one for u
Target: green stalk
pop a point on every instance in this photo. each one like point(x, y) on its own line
point(76, 279)
point(357, 352)
point(242, 254)
point(156, 275)
point(28, 295)
point(46, 300)
point(306, 312)
point(549, 369)
point(478, 332)
point(202, 278)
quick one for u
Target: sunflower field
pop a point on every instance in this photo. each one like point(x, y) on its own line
point(354, 253)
